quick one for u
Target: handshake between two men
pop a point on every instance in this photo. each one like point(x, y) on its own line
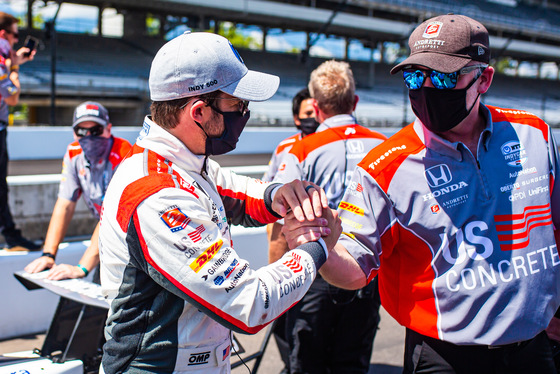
point(307, 216)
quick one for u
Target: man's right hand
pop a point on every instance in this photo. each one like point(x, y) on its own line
point(328, 226)
point(39, 264)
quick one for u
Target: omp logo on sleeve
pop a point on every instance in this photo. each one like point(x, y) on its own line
point(294, 263)
point(175, 219)
point(206, 256)
point(351, 208)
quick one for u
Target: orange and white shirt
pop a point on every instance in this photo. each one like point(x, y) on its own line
point(463, 246)
point(328, 157)
point(175, 283)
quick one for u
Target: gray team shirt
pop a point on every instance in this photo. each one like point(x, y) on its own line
point(464, 246)
point(329, 156)
point(80, 177)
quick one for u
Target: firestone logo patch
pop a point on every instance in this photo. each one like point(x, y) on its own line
point(386, 155)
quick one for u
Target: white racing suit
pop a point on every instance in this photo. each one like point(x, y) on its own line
point(175, 284)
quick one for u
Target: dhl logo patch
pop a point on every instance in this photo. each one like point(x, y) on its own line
point(351, 208)
point(206, 256)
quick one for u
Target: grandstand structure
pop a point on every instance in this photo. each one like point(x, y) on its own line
point(114, 70)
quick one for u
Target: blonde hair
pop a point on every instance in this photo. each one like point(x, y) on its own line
point(332, 86)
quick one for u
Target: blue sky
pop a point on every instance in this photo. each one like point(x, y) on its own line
point(78, 18)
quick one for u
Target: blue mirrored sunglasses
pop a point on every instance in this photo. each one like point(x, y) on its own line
point(415, 78)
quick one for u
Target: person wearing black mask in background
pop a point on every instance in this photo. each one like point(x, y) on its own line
point(88, 165)
point(323, 334)
point(305, 122)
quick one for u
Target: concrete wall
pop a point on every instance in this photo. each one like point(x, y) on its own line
point(44, 143)
point(32, 199)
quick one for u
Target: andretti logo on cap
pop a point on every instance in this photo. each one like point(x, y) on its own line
point(432, 29)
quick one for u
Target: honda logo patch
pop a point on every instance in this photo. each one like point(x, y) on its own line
point(438, 175)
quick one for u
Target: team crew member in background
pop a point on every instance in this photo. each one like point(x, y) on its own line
point(457, 214)
point(88, 165)
point(332, 330)
point(175, 283)
point(10, 61)
point(304, 119)
point(305, 122)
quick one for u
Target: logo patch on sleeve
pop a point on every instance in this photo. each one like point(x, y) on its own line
point(351, 208)
point(206, 256)
point(175, 219)
point(196, 234)
point(294, 264)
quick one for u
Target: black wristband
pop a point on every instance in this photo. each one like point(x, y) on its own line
point(49, 255)
point(268, 199)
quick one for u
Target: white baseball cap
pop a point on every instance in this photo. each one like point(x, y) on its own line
point(196, 63)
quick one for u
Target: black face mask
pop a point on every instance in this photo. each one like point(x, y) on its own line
point(234, 123)
point(308, 125)
point(441, 110)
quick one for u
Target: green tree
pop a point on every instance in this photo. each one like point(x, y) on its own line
point(229, 31)
point(152, 25)
point(504, 65)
